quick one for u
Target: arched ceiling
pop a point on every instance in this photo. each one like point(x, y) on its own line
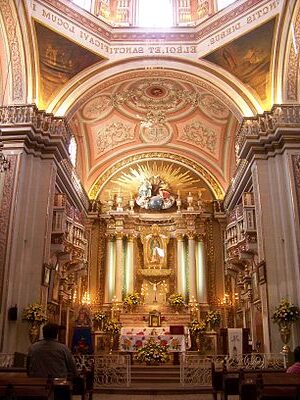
point(154, 111)
point(174, 115)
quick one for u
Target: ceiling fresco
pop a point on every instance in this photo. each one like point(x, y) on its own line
point(59, 60)
point(249, 59)
point(154, 114)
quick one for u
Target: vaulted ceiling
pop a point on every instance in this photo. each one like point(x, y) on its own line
point(134, 115)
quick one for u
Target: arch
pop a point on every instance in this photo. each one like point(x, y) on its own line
point(202, 172)
point(227, 88)
point(14, 74)
point(290, 67)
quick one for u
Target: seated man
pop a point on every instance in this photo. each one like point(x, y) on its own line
point(49, 358)
point(295, 368)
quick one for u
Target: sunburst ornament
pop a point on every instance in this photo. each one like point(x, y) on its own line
point(155, 184)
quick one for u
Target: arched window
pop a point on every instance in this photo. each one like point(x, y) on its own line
point(224, 3)
point(73, 151)
point(152, 13)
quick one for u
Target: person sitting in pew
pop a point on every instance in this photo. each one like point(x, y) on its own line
point(48, 358)
point(295, 368)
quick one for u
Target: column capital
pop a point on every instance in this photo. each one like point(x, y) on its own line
point(191, 235)
point(119, 235)
point(179, 236)
point(200, 237)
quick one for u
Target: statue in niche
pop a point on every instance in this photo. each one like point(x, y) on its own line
point(155, 243)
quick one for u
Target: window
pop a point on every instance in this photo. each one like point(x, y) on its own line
point(224, 3)
point(73, 151)
point(155, 13)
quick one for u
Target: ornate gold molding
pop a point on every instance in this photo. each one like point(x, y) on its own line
point(198, 169)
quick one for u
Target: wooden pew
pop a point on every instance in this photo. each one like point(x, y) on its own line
point(269, 385)
point(280, 386)
point(19, 385)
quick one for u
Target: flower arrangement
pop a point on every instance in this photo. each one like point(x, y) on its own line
point(112, 327)
point(197, 327)
point(34, 313)
point(99, 316)
point(132, 299)
point(152, 353)
point(176, 299)
point(213, 318)
point(285, 312)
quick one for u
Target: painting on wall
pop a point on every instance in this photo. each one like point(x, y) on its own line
point(249, 59)
point(60, 60)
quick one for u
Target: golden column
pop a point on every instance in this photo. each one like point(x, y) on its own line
point(119, 276)
point(201, 272)
point(109, 289)
point(192, 266)
point(129, 265)
point(181, 278)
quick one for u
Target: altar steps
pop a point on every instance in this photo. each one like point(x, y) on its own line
point(161, 379)
point(155, 374)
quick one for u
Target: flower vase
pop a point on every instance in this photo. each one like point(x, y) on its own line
point(285, 334)
point(34, 331)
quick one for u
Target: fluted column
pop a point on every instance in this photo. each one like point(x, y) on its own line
point(201, 272)
point(181, 278)
point(192, 267)
point(129, 265)
point(110, 272)
point(119, 278)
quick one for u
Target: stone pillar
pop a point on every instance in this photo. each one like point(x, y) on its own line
point(110, 270)
point(201, 271)
point(129, 266)
point(181, 277)
point(277, 213)
point(119, 276)
point(192, 267)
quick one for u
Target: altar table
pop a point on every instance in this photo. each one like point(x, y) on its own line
point(131, 343)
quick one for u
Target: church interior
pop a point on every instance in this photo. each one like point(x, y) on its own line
point(150, 173)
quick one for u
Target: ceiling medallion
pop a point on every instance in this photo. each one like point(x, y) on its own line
point(154, 132)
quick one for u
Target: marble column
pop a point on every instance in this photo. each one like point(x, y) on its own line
point(192, 267)
point(110, 270)
point(201, 272)
point(119, 276)
point(181, 276)
point(129, 266)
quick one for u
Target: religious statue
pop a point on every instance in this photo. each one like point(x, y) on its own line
point(155, 247)
point(154, 194)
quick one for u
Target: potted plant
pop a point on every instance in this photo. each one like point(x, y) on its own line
point(284, 315)
point(176, 301)
point(99, 318)
point(112, 328)
point(152, 353)
point(131, 300)
point(35, 314)
point(196, 329)
point(213, 319)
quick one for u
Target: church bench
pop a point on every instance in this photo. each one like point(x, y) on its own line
point(268, 385)
point(18, 385)
point(238, 381)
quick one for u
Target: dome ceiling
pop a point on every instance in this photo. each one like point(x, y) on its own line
point(163, 114)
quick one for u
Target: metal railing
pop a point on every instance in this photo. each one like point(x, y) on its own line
point(195, 370)
point(109, 370)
